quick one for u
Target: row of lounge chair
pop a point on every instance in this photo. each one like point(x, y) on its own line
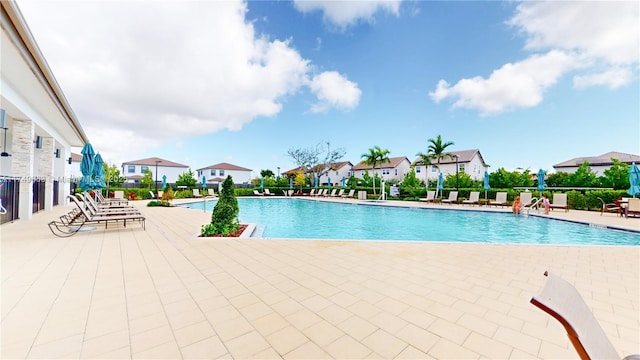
point(559, 200)
point(94, 211)
point(321, 192)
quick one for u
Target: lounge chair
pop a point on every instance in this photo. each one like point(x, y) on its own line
point(312, 192)
point(560, 202)
point(633, 207)
point(153, 196)
point(474, 198)
point(321, 192)
point(453, 197)
point(333, 193)
point(431, 196)
point(339, 194)
point(196, 193)
point(118, 198)
point(96, 209)
point(257, 193)
point(267, 192)
point(564, 303)
point(211, 193)
point(526, 198)
point(350, 194)
point(501, 199)
point(83, 215)
point(610, 207)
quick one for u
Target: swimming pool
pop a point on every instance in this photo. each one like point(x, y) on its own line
point(309, 219)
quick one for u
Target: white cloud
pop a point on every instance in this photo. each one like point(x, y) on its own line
point(599, 38)
point(516, 85)
point(334, 90)
point(346, 13)
point(613, 79)
point(160, 70)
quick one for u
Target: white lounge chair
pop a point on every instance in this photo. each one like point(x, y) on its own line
point(350, 194)
point(501, 199)
point(474, 198)
point(526, 199)
point(196, 193)
point(212, 193)
point(453, 197)
point(267, 192)
point(312, 192)
point(333, 193)
point(257, 193)
point(560, 202)
point(431, 196)
point(339, 194)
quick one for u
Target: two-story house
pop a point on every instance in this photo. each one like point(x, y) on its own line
point(467, 161)
point(217, 173)
point(394, 169)
point(336, 172)
point(134, 170)
point(598, 164)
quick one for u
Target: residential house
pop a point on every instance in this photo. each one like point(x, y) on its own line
point(598, 164)
point(394, 169)
point(134, 170)
point(38, 127)
point(467, 161)
point(217, 173)
point(336, 172)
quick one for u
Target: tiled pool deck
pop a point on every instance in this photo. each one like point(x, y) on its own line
point(164, 293)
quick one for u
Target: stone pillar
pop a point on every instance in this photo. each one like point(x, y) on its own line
point(45, 169)
point(22, 164)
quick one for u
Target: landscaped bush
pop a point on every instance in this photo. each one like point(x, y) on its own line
point(168, 195)
point(224, 219)
point(153, 203)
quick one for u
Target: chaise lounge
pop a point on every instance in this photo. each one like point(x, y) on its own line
point(560, 202)
point(453, 197)
point(474, 198)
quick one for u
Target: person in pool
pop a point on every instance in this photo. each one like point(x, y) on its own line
point(517, 205)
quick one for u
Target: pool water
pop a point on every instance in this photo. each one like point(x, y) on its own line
point(309, 219)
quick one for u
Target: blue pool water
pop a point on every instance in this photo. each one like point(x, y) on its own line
point(309, 219)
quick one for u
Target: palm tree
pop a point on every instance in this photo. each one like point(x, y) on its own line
point(436, 151)
point(375, 156)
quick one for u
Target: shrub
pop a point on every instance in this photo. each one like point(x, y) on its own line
point(224, 219)
point(167, 195)
point(159, 203)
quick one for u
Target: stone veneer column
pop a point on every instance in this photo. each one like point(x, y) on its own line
point(22, 164)
point(45, 170)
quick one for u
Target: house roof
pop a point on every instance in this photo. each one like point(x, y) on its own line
point(464, 156)
point(224, 166)
point(134, 177)
point(215, 180)
point(152, 162)
point(604, 159)
point(392, 163)
point(334, 166)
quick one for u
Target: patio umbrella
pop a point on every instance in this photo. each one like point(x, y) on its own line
point(316, 186)
point(634, 180)
point(344, 182)
point(98, 173)
point(329, 183)
point(164, 182)
point(86, 167)
point(486, 184)
point(290, 183)
point(261, 183)
point(440, 185)
point(204, 182)
point(541, 184)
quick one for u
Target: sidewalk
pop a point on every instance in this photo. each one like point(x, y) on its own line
point(164, 293)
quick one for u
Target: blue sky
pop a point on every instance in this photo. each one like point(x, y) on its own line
point(529, 84)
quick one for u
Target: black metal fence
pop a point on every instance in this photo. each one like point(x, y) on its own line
point(9, 195)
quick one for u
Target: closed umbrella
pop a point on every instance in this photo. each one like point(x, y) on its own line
point(541, 185)
point(486, 184)
point(98, 173)
point(290, 183)
point(344, 182)
point(204, 182)
point(316, 186)
point(86, 167)
point(261, 183)
point(634, 180)
point(440, 185)
point(329, 183)
point(164, 182)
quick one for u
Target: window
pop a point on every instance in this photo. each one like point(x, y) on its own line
point(199, 173)
point(396, 172)
point(361, 172)
point(417, 169)
point(131, 169)
point(221, 172)
point(350, 173)
point(385, 171)
point(143, 168)
point(434, 169)
point(213, 172)
point(337, 173)
point(461, 167)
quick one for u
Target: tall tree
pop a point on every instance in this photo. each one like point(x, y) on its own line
point(375, 156)
point(317, 160)
point(266, 173)
point(187, 179)
point(437, 150)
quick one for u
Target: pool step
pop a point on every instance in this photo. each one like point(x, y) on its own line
point(258, 232)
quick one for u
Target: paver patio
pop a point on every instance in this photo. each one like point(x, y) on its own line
point(164, 293)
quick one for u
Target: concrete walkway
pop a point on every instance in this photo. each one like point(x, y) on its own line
point(164, 293)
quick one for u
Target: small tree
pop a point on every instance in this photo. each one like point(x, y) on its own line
point(617, 176)
point(299, 180)
point(224, 219)
point(167, 195)
point(187, 179)
point(266, 173)
point(147, 179)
